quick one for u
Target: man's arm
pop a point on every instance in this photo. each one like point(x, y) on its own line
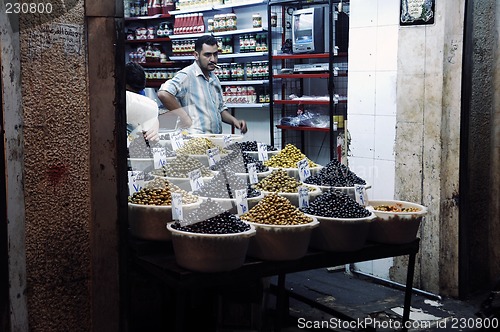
point(231, 120)
point(172, 104)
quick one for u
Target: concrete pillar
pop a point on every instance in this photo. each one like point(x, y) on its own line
point(428, 138)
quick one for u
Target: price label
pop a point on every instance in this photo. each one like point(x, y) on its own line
point(160, 157)
point(195, 179)
point(241, 201)
point(177, 208)
point(252, 173)
point(213, 156)
point(227, 140)
point(360, 194)
point(304, 170)
point(262, 151)
point(177, 140)
point(303, 196)
point(135, 181)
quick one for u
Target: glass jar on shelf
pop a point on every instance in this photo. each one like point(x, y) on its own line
point(231, 22)
point(256, 21)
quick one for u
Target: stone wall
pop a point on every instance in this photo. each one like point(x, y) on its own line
point(427, 141)
point(57, 168)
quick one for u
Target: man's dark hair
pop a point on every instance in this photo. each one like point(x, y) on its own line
point(205, 39)
point(135, 77)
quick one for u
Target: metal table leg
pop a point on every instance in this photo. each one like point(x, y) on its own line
point(408, 289)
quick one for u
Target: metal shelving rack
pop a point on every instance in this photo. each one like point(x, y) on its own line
point(285, 80)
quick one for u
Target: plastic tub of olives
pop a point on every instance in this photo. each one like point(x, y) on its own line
point(396, 222)
point(148, 222)
point(341, 234)
point(283, 232)
point(281, 242)
point(202, 252)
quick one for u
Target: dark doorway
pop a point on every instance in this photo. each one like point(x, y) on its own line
point(4, 258)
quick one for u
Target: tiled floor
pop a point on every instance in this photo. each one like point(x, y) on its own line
point(371, 304)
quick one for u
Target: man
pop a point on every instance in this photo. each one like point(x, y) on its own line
point(195, 93)
point(142, 112)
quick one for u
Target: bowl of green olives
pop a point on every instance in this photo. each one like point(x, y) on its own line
point(283, 231)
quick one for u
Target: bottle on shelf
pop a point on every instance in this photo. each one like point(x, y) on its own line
point(200, 24)
point(176, 25)
point(190, 23)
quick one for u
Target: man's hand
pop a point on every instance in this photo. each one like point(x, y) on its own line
point(185, 120)
point(241, 125)
point(152, 133)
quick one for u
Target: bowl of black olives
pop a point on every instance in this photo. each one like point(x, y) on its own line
point(343, 223)
point(210, 239)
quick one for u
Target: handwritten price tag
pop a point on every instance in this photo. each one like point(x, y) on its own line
point(135, 181)
point(304, 170)
point(252, 173)
point(176, 140)
point(160, 157)
point(213, 156)
point(227, 140)
point(241, 201)
point(303, 196)
point(177, 207)
point(360, 194)
point(262, 151)
point(195, 179)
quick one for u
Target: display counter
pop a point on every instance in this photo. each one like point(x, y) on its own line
point(158, 260)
